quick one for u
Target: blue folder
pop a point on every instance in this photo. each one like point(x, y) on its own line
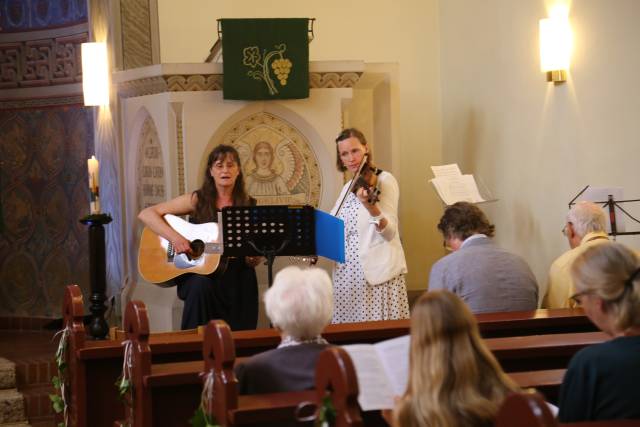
point(329, 236)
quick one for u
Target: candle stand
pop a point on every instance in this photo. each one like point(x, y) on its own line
point(98, 327)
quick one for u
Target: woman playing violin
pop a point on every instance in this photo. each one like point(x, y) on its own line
point(370, 284)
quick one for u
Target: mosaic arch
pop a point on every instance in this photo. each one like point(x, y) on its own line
point(278, 163)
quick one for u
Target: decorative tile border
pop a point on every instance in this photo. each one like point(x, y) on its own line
point(35, 103)
point(213, 82)
point(177, 109)
point(37, 63)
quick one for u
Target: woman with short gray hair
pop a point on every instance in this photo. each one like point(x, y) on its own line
point(300, 305)
point(602, 380)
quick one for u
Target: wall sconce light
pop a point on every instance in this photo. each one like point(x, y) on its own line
point(95, 74)
point(556, 41)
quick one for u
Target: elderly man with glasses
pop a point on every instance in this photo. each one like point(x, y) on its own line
point(586, 226)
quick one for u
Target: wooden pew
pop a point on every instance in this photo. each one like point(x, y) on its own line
point(547, 382)
point(491, 325)
point(73, 315)
point(94, 366)
point(335, 377)
point(157, 398)
point(530, 410)
point(539, 352)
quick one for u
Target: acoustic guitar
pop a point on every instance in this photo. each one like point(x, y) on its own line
point(158, 263)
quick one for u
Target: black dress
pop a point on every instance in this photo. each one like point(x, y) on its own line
point(230, 294)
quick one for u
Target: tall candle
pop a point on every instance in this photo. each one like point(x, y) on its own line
point(94, 188)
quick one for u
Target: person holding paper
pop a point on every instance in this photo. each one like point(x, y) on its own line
point(299, 304)
point(586, 226)
point(486, 277)
point(454, 379)
point(602, 380)
point(232, 293)
point(370, 284)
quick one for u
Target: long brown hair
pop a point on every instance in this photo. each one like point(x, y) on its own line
point(207, 195)
point(454, 379)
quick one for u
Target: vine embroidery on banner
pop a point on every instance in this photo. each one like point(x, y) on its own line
point(260, 64)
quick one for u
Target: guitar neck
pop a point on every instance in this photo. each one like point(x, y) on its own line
point(213, 248)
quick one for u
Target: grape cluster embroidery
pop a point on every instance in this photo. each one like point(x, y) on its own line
point(259, 62)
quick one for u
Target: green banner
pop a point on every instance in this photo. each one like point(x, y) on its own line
point(265, 58)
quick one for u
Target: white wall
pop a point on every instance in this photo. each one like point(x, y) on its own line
point(403, 32)
point(535, 144)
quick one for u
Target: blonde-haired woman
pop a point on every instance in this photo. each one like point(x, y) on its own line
point(454, 379)
point(602, 380)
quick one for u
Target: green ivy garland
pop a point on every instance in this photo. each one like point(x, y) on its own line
point(60, 381)
point(124, 385)
point(200, 417)
point(327, 413)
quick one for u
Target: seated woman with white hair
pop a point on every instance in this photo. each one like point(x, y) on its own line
point(300, 305)
point(602, 380)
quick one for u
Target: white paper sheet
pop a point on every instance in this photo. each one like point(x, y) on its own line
point(375, 389)
point(446, 170)
point(394, 355)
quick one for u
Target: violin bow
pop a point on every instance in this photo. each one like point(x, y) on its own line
point(353, 182)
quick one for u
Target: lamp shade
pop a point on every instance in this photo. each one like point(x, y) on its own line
point(95, 74)
point(555, 43)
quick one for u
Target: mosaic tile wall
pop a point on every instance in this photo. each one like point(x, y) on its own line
point(44, 191)
point(27, 15)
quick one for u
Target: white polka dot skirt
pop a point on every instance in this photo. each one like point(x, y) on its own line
point(355, 300)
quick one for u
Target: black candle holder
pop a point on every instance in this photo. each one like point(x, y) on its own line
point(98, 327)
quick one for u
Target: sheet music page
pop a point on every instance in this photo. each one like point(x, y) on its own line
point(472, 189)
point(375, 390)
point(446, 170)
point(452, 189)
point(394, 355)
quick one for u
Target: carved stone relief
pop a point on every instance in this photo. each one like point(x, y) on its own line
point(47, 62)
point(151, 181)
point(206, 82)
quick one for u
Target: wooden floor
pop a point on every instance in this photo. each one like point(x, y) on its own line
point(32, 349)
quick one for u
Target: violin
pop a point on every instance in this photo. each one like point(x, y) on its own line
point(368, 179)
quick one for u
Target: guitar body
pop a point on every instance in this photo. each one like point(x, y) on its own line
point(156, 263)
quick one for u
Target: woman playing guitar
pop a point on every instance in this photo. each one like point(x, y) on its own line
point(230, 294)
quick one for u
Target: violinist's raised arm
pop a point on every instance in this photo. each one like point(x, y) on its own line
point(370, 284)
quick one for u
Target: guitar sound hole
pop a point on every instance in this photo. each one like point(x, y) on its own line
point(197, 248)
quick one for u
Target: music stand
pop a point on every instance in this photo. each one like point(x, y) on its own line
point(612, 204)
point(268, 231)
